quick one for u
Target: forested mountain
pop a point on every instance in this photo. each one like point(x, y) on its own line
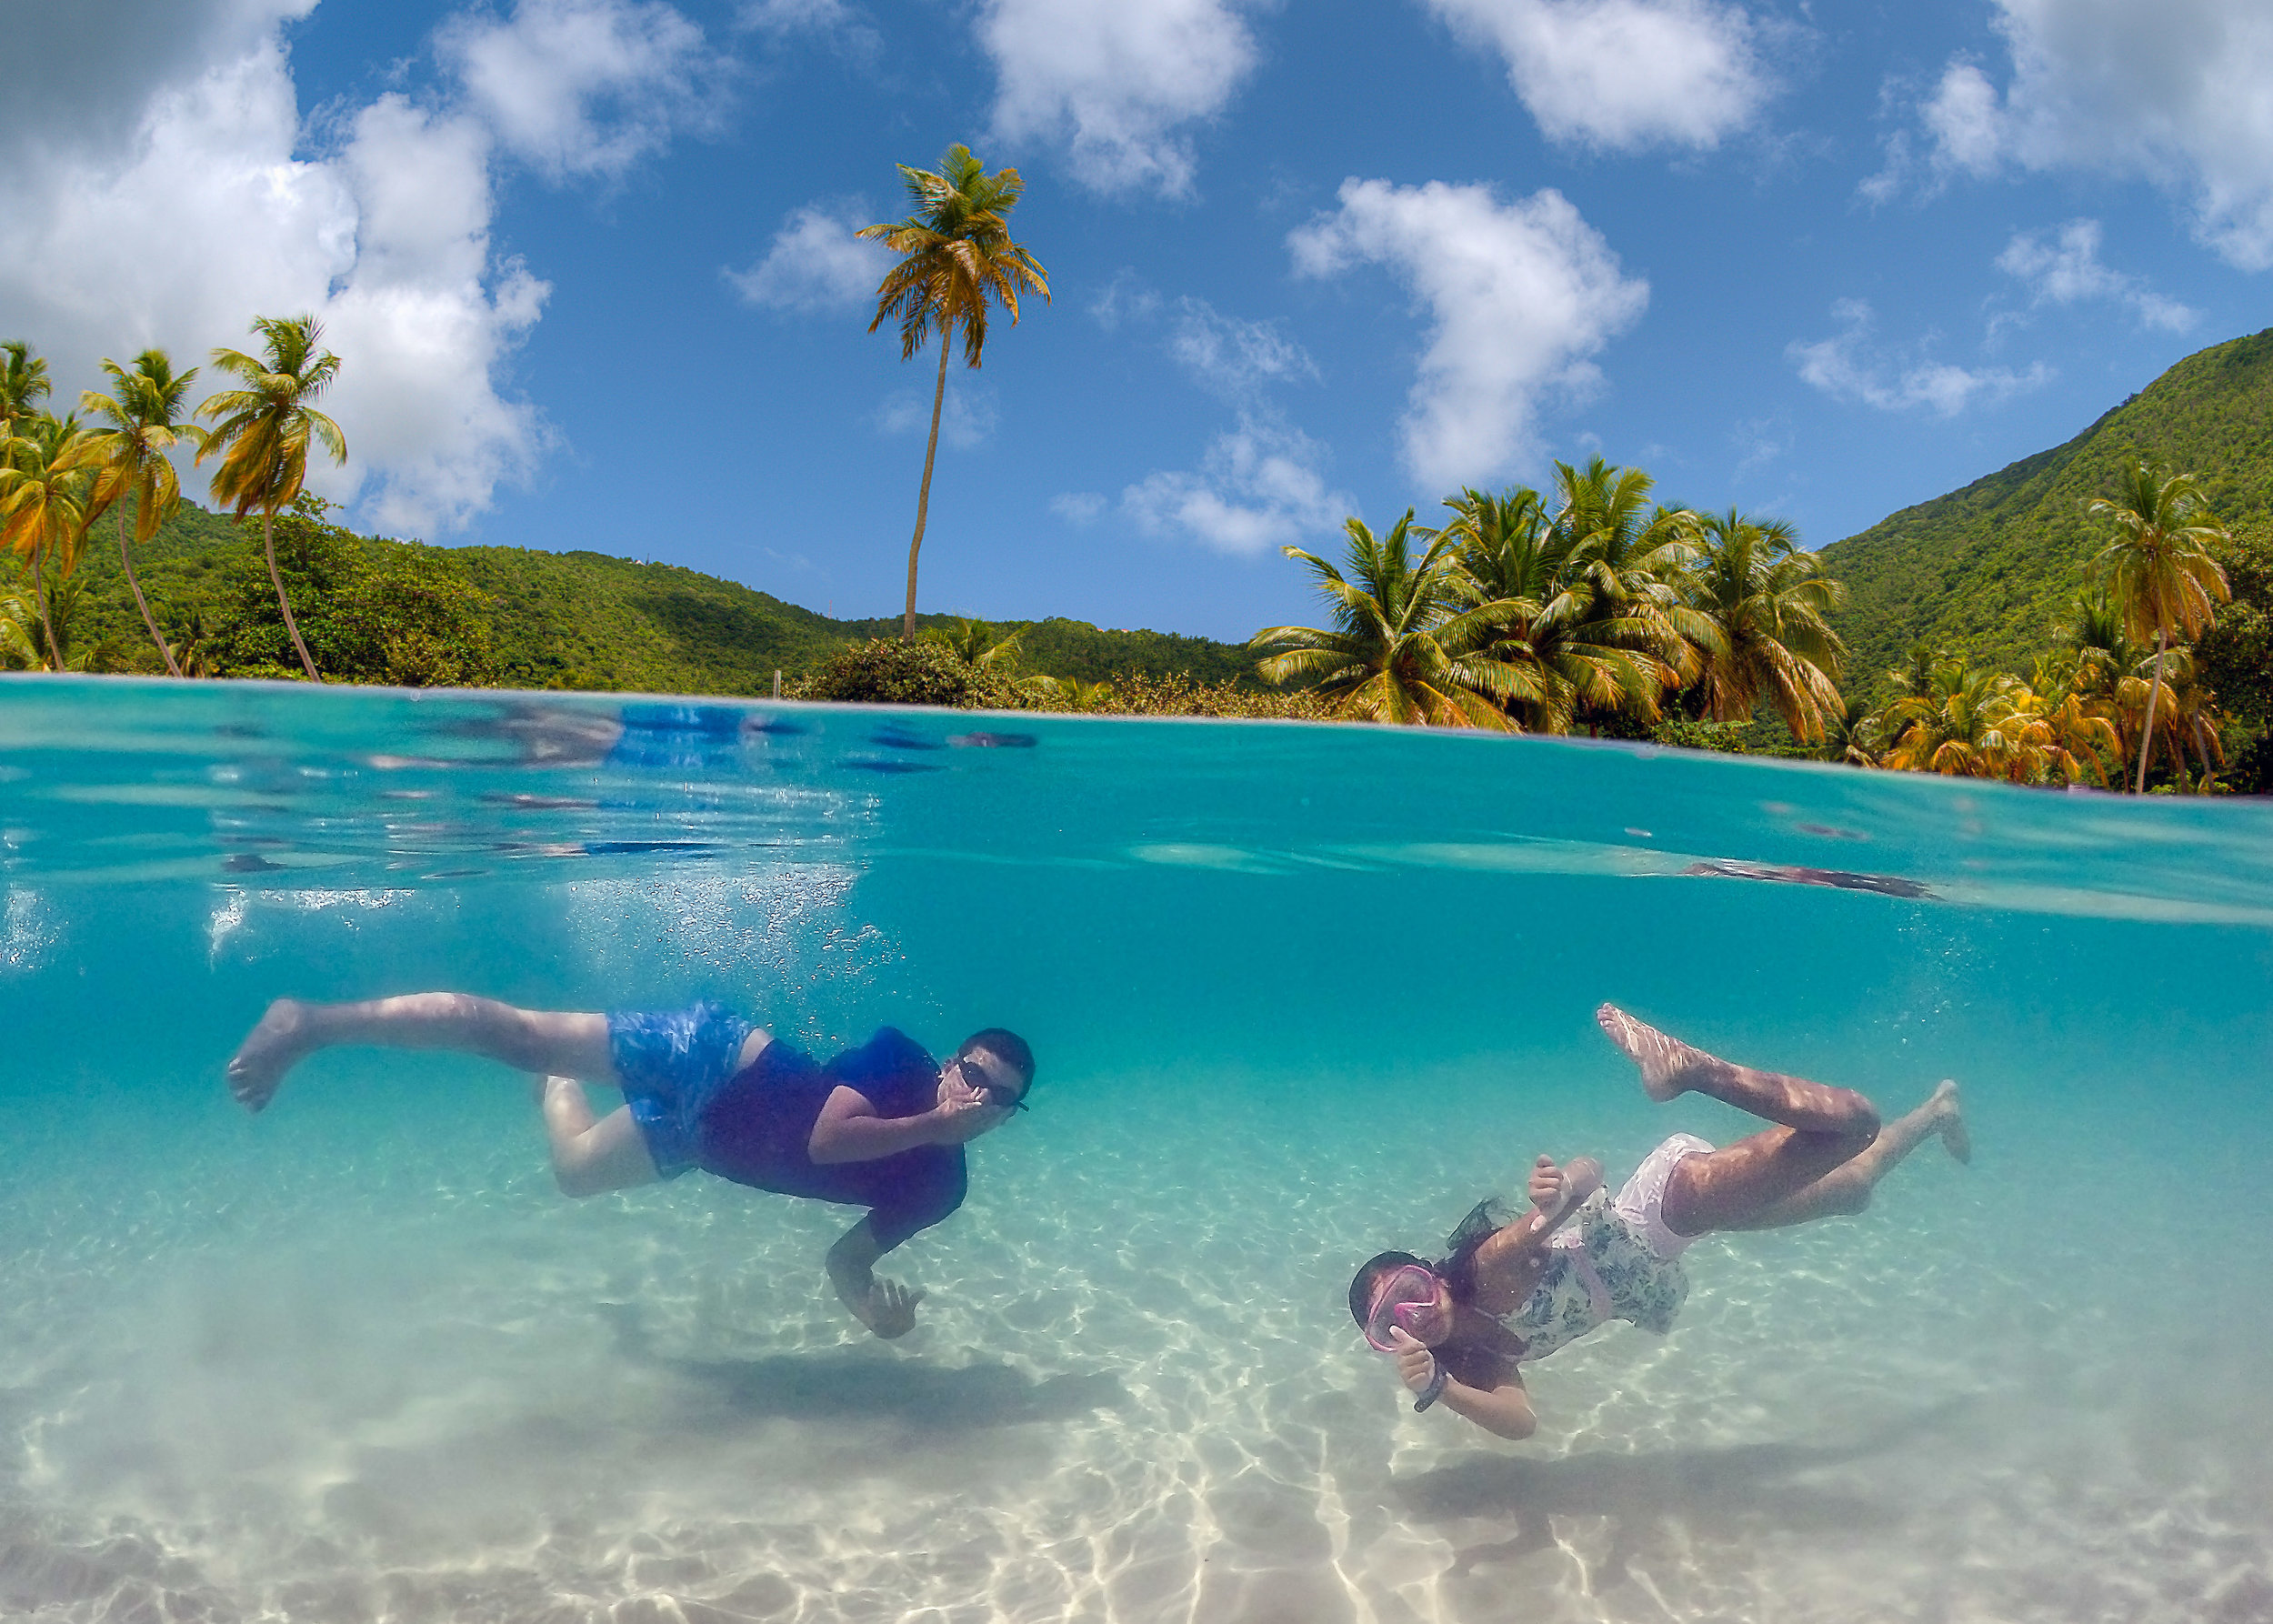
point(583, 619)
point(1987, 571)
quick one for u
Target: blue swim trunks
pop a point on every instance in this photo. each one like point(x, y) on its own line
point(672, 1062)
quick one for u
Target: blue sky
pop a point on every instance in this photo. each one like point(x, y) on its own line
point(589, 264)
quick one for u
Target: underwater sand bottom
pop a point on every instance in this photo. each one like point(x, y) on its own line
point(314, 1375)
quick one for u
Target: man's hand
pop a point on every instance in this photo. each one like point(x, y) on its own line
point(892, 1308)
point(963, 1115)
point(1416, 1365)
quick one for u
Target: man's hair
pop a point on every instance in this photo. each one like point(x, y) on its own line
point(1368, 1280)
point(1012, 1049)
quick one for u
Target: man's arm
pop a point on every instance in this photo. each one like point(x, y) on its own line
point(884, 1306)
point(848, 1128)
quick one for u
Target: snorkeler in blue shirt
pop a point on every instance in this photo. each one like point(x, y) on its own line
point(882, 1126)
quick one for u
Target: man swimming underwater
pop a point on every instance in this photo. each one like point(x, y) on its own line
point(1511, 1291)
point(882, 1126)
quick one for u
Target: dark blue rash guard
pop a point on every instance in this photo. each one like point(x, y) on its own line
point(755, 1127)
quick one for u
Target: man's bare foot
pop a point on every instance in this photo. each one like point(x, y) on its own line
point(1951, 1122)
point(272, 1048)
point(1664, 1061)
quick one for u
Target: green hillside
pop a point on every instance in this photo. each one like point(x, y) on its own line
point(1987, 571)
point(585, 620)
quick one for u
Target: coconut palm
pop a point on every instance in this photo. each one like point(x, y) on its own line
point(957, 260)
point(23, 384)
point(1971, 723)
point(1408, 643)
point(975, 644)
point(1627, 553)
point(45, 505)
point(1509, 554)
point(131, 458)
point(2159, 568)
point(1768, 603)
point(265, 428)
point(1850, 735)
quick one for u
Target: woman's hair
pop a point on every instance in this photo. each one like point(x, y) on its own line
point(1368, 1278)
point(1486, 1219)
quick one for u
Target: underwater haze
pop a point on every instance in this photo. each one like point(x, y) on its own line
point(1299, 994)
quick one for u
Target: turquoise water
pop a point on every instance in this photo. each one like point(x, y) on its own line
point(1298, 993)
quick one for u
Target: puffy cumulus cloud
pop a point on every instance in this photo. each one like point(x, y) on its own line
point(1113, 79)
point(1260, 485)
point(1230, 357)
point(585, 88)
point(1849, 365)
point(1623, 73)
point(815, 262)
point(2063, 268)
point(1519, 294)
point(2182, 93)
point(192, 202)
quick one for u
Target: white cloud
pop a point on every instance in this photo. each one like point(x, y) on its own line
point(2065, 267)
point(1232, 357)
point(1260, 485)
point(1623, 73)
point(1114, 79)
point(2180, 93)
point(584, 87)
point(1850, 367)
point(815, 263)
point(1519, 295)
point(967, 416)
point(383, 232)
point(1078, 508)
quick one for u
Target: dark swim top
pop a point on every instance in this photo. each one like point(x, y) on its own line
point(756, 1128)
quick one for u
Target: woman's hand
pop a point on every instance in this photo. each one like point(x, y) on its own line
point(1547, 1184)
point(1416, 1365)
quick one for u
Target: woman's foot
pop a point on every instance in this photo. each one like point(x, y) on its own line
point(1665, 1062)
point(272, 1048)
point(1949, 1122)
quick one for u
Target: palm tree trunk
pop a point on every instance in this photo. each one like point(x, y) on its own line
point(923, 497)
point(140, 602)
point(268, 540)
point(2154, 692)
point(39, 597)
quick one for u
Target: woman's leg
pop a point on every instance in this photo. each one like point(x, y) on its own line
point(535, 1041)
point(1819, 1129)
point(1846, 1189)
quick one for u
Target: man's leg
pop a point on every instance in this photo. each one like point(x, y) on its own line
point(535, 1041)
point(1819, 1129)
point(1846, 1189)
point(591, 1154)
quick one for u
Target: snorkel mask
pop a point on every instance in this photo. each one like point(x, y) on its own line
point(1397, 1304)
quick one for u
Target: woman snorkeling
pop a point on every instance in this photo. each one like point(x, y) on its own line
point(1512, 1290)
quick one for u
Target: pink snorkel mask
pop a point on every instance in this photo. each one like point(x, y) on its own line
point(1398, 1303)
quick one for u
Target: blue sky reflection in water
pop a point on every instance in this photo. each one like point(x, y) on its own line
point(1298, 993)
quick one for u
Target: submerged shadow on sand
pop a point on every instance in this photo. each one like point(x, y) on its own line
point(850, 1383)
point(923, 1398)
point(1703, 1489)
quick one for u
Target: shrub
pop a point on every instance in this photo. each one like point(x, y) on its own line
point(887, 671)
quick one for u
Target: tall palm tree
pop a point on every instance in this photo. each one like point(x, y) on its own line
point(130, 458)
point(1511, 556)
point(2160, 566)
point(45, 505)
point(1769, 602)
point(265, 428)
point(956, 259)
point(1403, 649)
point(1972, 722)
